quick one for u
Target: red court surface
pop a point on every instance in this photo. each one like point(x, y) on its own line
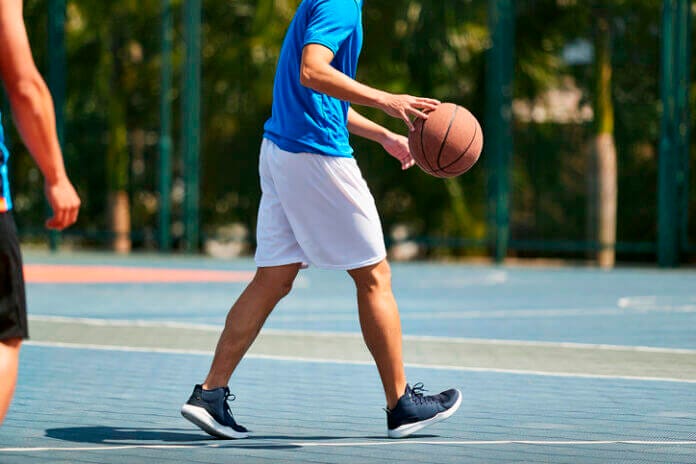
point(66, 274)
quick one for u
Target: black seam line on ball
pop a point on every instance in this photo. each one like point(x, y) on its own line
point(465, 150)
point(423, 146)
point(444, 139)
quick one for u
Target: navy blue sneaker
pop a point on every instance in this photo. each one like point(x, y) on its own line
point(414, 410)
point(209, 410)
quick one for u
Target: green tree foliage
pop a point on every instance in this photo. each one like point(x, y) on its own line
point(549, 167)
point(433, 48)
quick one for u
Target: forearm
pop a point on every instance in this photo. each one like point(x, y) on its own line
point(33, 111)
point(32, 108)
point(363, 127)
point(317, 73)
point(324, 78)
point(396, 145)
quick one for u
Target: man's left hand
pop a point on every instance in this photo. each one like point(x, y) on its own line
point(397, 146)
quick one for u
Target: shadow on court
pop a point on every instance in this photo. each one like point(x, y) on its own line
point(120, 435)
point(139, 436)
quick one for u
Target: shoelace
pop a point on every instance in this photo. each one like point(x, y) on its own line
point(229, 397)
point(417, 394)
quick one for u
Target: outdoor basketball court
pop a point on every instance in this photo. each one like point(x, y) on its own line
point(556, 364)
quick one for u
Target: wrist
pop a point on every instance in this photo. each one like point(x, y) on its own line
point(380, 100)
point(384, 136)
point(55, 177)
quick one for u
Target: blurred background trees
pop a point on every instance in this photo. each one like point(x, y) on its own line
point(428, 47)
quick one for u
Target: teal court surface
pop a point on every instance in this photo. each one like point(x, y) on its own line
point(556, 364)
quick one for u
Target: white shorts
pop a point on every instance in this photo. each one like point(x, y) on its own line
point(315, 210)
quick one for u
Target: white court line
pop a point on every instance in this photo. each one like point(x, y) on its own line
point(621, 309)
point(240, 445)
point(127, 349)
point(310, 333)
point(500, 442)
point(358, 363)
point(424, 315)
point(124, 322)
point(468, 314)
point(102, 448)
point(649, 303)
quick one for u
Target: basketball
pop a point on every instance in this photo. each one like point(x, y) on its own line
point(448, 143)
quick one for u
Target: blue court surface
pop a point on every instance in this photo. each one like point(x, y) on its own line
point(556, 364)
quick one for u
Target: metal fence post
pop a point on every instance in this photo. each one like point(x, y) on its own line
point(165, 141)
point(191, 103)
point(499, 72)
point(682, 77)
point(668, 203)
point(56, 77)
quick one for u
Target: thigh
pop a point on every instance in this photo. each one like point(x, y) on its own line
point(276, 244)
point(330, 209)
point(13, 312)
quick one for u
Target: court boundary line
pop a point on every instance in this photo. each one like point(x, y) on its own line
point(125, 322)
point(132, 349)
point(310, 444)
point(423, 338)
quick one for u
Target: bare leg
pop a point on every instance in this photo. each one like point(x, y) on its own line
point(9, 362)
point(381, 327)
point(245, 319)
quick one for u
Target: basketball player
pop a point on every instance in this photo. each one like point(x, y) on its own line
point(317, 209)
point(32, 108)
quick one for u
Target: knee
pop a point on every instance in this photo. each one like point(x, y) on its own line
point(374, 278)
point(278, 287)
point(283, 288)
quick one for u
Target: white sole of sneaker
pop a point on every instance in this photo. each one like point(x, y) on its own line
point(205, 421)
point(408, 429)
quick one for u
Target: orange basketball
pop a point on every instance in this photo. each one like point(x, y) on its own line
point(448, 143)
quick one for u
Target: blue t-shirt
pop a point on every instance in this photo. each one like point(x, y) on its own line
point(5, 199)
point(302, 119)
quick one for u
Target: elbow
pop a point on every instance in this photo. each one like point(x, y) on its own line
point(309, 77)
point(28, 90)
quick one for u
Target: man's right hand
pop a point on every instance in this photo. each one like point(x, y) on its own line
point(406, 106)
point(62, 197)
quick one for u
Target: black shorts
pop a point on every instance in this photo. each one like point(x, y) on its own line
point(13, 304)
